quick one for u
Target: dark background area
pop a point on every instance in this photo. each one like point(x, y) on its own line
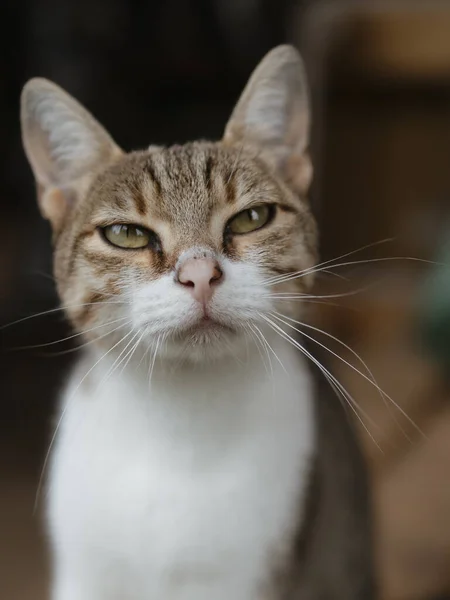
point(162, 72)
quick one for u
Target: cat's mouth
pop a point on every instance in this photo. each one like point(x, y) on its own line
point(206, 327)
point(201, 339)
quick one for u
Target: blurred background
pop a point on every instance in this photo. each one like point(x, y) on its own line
point(165, 71)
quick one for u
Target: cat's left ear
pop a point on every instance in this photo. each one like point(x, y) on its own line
point(65, 147)
point(272, 116)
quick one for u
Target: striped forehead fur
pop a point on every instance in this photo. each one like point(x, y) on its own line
point(198, 174)
point(186, 193)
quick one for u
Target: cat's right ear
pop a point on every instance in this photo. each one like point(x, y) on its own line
point(64, 144)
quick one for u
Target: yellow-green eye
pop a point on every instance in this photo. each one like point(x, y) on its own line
point(251, 219)
point(127, 236)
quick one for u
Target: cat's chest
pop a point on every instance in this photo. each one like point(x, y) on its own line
point(186, 507)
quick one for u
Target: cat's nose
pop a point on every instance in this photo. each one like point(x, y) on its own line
point(201, 276)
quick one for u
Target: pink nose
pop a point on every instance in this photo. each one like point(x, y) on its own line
point(200, 275)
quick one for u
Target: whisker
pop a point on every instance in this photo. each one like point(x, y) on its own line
point(144, 356)
point(130, 354)
point(397, 406)
point(353, 352)
point(350, 400)
point(44, 275)
point(264, 345)
point(328, 272)
point(152, 365)
point(258, 344)
point(54, 310)
point(63, 413)
point(314, 270)
point(327, 262)
point(88, 343)
point(381, 259)
point(270, 348)
point(323, 302)
point(70, 337)
point(335, 384)
point(300, 296)
point(118, 361)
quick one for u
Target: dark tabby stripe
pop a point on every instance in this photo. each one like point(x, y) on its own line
point(150, 170)
point(74, 250)
point(104, 263)
point(139, 201)
point(287, 208)
point(90, 301)
point(209, 166)
point(230, 189)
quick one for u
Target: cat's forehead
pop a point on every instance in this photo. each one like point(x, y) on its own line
point(181, 185)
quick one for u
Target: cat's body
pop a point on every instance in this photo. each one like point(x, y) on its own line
point(195, 458)
point(192, 490)
point(239, 515)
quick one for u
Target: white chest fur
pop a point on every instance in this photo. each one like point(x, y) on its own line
point(184, 491)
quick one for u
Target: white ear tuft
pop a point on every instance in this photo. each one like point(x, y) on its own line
point(273, 115)
point(61, 138)
point(63, 142)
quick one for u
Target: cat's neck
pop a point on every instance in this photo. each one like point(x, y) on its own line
point(197, 414)
point(249, 367)
point(221, 396)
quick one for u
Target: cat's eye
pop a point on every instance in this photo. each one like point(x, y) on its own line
point(251, 219)
point(127, 236)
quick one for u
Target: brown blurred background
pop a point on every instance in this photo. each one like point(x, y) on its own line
point(163, 71)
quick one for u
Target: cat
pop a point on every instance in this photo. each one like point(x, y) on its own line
point(195, 456)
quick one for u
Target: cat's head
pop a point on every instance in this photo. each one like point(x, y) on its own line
point(185, 247)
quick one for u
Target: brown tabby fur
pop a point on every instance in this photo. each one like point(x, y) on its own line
point(186, 195)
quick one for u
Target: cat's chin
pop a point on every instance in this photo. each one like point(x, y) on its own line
point(207, 329)
point(206, 341)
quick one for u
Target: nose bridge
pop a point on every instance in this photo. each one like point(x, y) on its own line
point(199, 271)
point(195, 252)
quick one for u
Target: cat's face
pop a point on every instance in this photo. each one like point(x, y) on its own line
point(191, 207)
point(178, 248)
